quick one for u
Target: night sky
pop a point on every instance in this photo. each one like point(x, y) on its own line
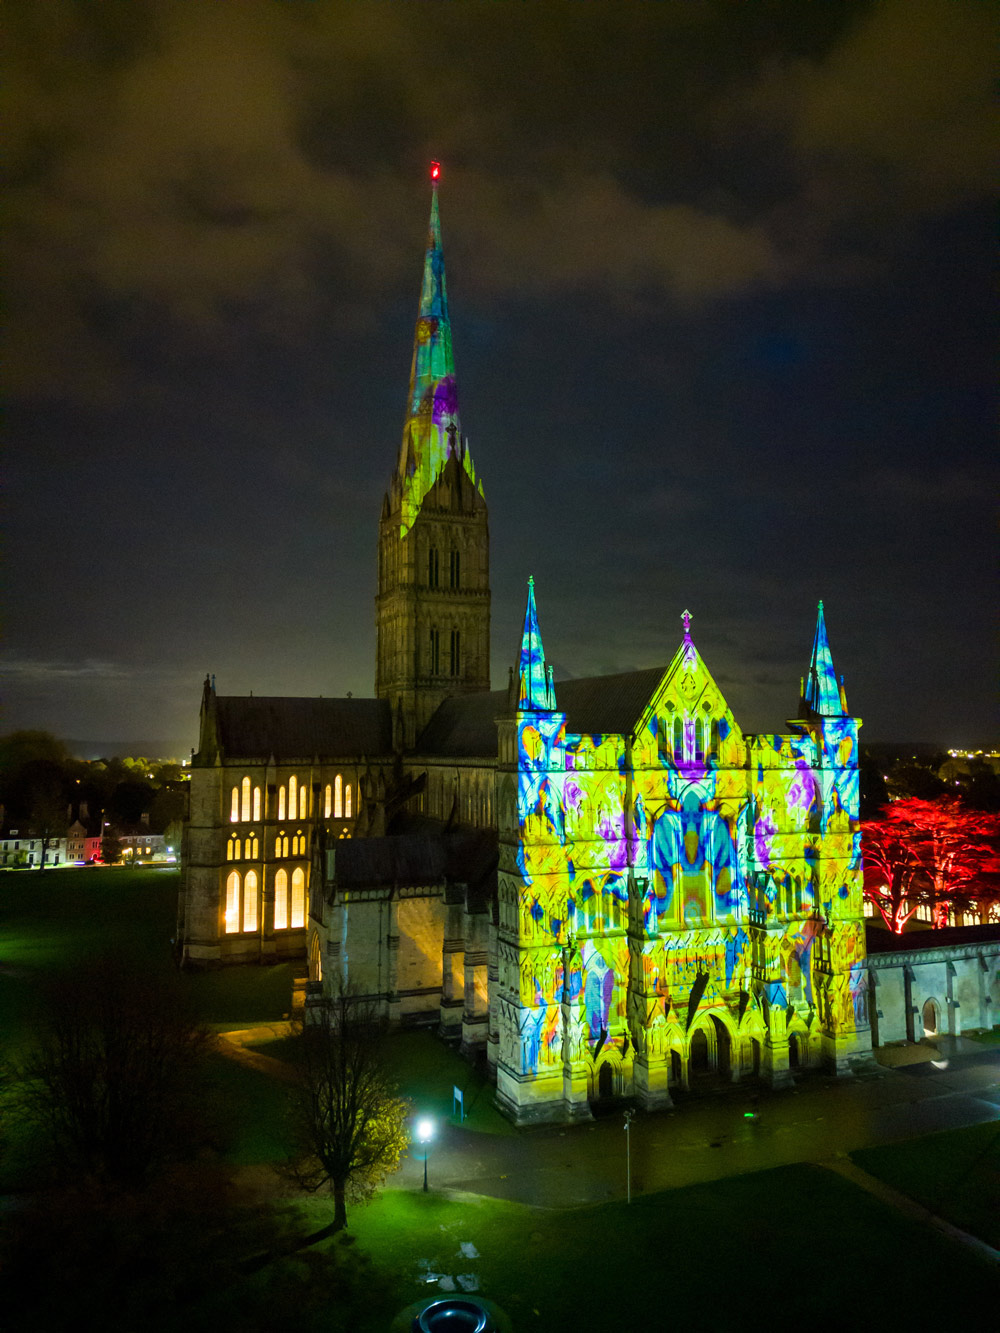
point(719, 277)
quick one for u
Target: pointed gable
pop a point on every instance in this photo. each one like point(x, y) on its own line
point(534, 690)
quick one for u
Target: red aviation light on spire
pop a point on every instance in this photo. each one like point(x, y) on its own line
point(435, 171)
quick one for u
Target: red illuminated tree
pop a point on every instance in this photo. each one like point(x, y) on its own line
point(937, 854)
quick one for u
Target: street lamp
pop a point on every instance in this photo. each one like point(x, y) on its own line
point(628, 1155)
point(425, 1132)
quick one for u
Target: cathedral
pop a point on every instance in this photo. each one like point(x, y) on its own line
point(604, 885)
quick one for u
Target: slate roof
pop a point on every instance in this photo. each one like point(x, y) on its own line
point(257, 727)
point(465, 727)
point(879, 941)
point(459, 853)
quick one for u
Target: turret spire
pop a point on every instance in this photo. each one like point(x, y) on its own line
point(824, 694)
point(433, 431)
point(535, 688)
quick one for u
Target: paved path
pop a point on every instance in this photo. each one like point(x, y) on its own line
point(707, 1137)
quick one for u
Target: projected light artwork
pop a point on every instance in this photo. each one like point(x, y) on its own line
point(433, 431)
point(678, 901)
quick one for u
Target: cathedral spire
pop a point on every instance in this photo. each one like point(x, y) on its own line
point(432, 432)
point(535, 688)
point(824, 694)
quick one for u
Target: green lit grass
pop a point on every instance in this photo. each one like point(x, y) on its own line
point(715, 1256)
point(956, 1174)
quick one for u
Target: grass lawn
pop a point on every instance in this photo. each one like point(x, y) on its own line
point(718, 1256)
point(956, 1174)
point(985, 1038)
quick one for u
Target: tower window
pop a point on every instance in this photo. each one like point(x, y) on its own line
point(245, 804)
point(455, 569)
point(281, 801)
point(234, 810)
point(293, 788)
point(435, 652)
point(348, 804)
point(327, 801)
point(456, 652)
point(338, 797)
point(298, 898)
point(432, 567)
point(256, 804)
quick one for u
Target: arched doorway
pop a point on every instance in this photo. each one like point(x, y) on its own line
point(675, 1066)
point(931, 1018)
point(699, 1053)
point(605, 1082)
point(723, 1047)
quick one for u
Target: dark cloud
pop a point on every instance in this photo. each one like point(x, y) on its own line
point(717, 276)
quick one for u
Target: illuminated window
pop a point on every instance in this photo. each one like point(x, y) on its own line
point(233, 903)
point(714, 742)
point(281, 900)
point(348, 808)
point(250, 901)
point(699, 739)
point(245, 803)
point(798, 894)
point(253, 848)
point(237, 848)
point(256, 804)
point(293, 788)
point(281, 801)
point(231, 849)
point(304, 793)
point(678, 738)
point(327, 801)
point(432, 567)
point(338, 797)
point(454, 570)
point(298, 898)
point(435, 652)
point(281, 845)
point(234, 811)
point(456, 652)
point(869, 907)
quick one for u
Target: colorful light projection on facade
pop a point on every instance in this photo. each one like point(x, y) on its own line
point(433, 432)
point(684, 871)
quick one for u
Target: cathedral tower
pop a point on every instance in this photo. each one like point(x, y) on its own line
point(432, 610)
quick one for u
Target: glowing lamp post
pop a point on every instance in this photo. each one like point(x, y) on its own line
point(425, 1132)
point(628, 1156)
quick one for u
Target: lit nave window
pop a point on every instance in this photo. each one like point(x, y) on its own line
point(348, 803)
point(244, 803)
point(233, 916)
point(235, 848)
point(327, 801)
point(298, 898)
point(281, 801)
point(281, 845)
point(338, 797)
point(293, 798)
point(281, 900)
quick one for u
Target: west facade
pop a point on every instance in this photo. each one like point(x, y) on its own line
point(604, 884)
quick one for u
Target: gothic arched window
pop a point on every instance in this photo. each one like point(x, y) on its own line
point(281, 801)
point(327, 801)
point(234, 809)
point(245, 803)
point(232, 914)
point(293, 788)
point(256, 804)
point(348, 803)
point(338, 797)
point(281, 900)
point(298, 898)
point(250, 901)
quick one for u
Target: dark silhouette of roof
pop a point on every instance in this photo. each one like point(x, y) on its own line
point(884, 941)
point(465, 727)
point(437, 853)
point(258, 727)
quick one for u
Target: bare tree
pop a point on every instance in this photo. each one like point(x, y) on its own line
point(349, 1121)
point(108, 1079)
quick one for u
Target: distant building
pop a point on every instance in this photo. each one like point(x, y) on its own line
point(22, 849)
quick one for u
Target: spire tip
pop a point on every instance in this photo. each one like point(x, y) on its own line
point(435, 172)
